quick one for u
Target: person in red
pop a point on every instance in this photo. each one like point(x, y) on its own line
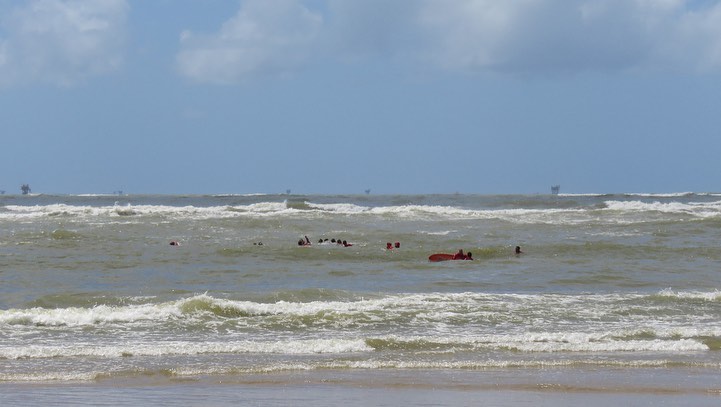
point(389, 246)
point(459, 255)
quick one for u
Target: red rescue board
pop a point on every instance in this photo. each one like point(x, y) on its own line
point(440, 257)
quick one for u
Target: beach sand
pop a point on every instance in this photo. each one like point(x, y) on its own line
point(534, 387)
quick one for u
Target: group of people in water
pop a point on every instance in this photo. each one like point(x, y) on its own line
point(306, 242)
point(460, 255)
point(463, 256)
point(469, 256)
point(390, 246)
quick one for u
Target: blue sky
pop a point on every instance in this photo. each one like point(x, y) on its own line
point(332, 96)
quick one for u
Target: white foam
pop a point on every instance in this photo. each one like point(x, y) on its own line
point(582, 195)
point(186, 348)
point(74, 317)
point(187, 212)
point(240, 195)
point(436, 315)
point(62, 376)
point(714, 296)
point(660, 195)
point(342, 208)
point(569, 216)
point(439, 233)
point(552, 342)
point(682, 345)
point(547, 342)
point(695, 209)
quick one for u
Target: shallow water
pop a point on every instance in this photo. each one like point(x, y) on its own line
point(91, 290)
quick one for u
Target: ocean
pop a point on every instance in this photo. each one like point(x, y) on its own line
point(614, 298)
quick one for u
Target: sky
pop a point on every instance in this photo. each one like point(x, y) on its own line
point(342, 96)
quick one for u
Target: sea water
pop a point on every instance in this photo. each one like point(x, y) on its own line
point(607, 286)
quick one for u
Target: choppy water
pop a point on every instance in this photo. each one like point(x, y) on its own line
point(90, 287)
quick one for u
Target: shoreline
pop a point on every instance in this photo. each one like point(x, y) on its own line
point(592, 387)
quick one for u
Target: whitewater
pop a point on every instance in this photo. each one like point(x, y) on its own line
point(608, 285)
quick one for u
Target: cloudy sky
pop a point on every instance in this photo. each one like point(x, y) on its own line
point(339, 96)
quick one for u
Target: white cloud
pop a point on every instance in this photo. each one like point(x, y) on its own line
point(548, 37)
point(61, 41)
point(558, 36)
point(697, 38)
point(373, 28)
point(264, 38)
point(528, 35)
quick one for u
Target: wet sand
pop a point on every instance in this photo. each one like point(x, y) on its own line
point(541, 387)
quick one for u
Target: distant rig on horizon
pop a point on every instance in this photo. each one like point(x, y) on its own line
point(24, 188)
